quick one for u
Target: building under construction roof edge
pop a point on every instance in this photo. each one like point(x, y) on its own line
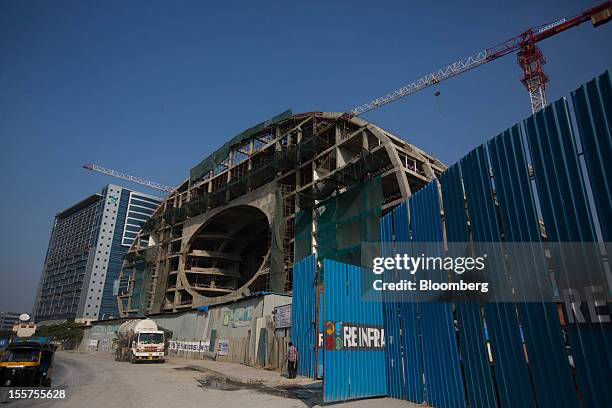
point(314, 182)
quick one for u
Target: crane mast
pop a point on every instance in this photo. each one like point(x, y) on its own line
point(124, 176)
point(529, 58)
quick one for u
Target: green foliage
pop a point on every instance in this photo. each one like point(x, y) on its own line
point(69, 333)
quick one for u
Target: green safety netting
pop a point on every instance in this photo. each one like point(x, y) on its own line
point(141, 271)
point(220, 154)
point(260, 175)
point(303, 234)
point(348, 219)
point(354, 171)
point(151, 224)
point(310, 145)
point(277, 269)
point(131, 257)
point(141, 275)
point(237, 187)
point(197, 205)
point(175, 215)
point(218, 198)
point(286, 158)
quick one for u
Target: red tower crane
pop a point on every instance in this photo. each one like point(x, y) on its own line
point(529, 58)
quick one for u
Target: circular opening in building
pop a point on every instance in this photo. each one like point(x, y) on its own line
point(228, 250)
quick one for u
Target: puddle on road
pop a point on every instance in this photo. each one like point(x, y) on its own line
point(311, 394)
point(222, 384)
point(188, 368)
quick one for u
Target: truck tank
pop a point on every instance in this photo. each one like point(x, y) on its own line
point(139, 340)
point(127, 329)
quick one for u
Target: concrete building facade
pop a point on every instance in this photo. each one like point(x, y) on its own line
point(241, 332)
point(235, 226)
point(86, 249)
point(8, 320)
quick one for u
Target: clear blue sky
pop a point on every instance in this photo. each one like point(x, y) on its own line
point(152, 87)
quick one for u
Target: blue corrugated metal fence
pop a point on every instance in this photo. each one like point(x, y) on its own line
point(355, 370)
point(303, 332)
point(525, 184)
point(510, 354)
point(559, 179)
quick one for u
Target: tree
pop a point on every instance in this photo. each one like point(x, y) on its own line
point(68, 332)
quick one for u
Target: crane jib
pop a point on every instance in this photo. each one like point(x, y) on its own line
point(599, 15)
point(552, 25)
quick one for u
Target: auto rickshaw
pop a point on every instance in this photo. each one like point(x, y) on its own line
point(27, 364)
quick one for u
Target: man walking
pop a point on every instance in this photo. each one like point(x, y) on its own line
point(292, 358)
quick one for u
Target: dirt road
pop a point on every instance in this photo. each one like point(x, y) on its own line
point(97, 381)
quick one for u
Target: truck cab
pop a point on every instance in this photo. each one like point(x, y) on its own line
point(140, 340)
point(148, 345)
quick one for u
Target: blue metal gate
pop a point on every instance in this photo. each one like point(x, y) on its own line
point(354, 341)
point(303, 332)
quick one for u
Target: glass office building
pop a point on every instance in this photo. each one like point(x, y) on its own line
point(86, 248)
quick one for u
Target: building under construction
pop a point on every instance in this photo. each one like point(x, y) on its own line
point(288, 187)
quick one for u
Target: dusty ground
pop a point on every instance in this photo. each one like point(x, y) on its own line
point(97, 381)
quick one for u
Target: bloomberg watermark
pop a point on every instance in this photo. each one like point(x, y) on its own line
point(574, 273)
point(422, 263)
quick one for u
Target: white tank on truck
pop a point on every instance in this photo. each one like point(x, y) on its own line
point(140, 340)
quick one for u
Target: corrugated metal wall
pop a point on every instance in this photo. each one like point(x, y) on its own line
point(424, 365)
point(393, 349)
point(559, 179)
point(494, 354)
point(489, 196)
point(539, 322)
point(443, 382)
point(471, 331)
point(350, 372)
point(510, 366)
point(303, 332)
point(593, 108)
point(404, 352)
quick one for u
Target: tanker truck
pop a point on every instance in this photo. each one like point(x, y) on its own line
point(140, 340)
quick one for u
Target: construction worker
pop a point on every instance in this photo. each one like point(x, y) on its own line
point(292, 358)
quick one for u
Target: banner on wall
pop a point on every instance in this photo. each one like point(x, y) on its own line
point(193, 346)
point(282, 317)
point(223, 347)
